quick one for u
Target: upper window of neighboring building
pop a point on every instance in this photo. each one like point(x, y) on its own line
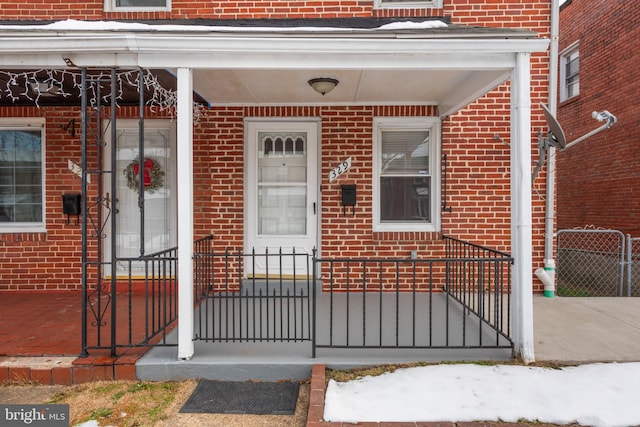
point(113, 5)
point(570, 72)
point(406, 174)
point(21, 177)
point(406, 4)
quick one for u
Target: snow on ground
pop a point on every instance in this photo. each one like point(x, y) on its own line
point(599, 395)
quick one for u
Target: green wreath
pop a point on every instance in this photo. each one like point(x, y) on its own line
point(153, 175)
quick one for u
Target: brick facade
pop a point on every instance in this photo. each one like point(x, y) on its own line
point(503, 13)
point(478, 176)
point(599, 178)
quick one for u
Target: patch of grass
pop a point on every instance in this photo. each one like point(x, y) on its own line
point(374, 371)
point(564, 291)
point(21, 380)
point(100, 413)
point(121, 403)
point(65, 395)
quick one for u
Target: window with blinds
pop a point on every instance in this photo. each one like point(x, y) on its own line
point(404, 175)
point(407, 4)
point(570, 72)
point(111, 5)
point(21, 177)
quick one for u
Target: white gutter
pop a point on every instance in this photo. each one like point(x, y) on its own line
point(547, 275)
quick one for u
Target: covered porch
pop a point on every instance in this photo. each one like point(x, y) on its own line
point(448, 68)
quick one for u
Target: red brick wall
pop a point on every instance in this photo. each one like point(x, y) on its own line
point(599, 178)
point(189, 9)
point(38, 261)
point(477, 176)
point(501, 13)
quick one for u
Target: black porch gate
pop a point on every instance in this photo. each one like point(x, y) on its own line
point(234, 306)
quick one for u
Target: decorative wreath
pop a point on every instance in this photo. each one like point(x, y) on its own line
point(153, 175)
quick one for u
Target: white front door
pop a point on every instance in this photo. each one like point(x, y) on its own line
point(159, 182)
point(281, 206)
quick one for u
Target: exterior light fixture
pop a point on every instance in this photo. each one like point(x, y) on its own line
point(323, 85)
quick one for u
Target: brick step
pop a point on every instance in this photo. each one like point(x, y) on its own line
point(66, 370)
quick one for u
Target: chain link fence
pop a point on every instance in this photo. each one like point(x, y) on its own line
point(633, 266)
point(591, 263)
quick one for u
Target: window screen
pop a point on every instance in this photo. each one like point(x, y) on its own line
point(404, 176)
point(141, 3)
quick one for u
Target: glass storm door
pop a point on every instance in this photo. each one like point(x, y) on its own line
point(159, 181)
point(281, 197)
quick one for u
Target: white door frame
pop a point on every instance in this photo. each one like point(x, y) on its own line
point(170, 176)
point(303, 243)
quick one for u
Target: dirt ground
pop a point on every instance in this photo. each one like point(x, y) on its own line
point(89, 399)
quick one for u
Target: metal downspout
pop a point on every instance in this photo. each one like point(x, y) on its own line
point(549, 223)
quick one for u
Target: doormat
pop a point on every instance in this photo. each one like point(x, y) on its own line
point(233, 397)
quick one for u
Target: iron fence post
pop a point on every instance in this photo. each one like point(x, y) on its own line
point(314, 319)
point(83, 163)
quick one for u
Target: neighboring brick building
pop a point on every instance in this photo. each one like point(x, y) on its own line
point(598, 179)
point(462, 79)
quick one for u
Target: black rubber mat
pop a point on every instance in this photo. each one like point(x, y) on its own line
point(229, 397)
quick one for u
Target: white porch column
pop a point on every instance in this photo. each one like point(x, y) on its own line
point(185, 212)
point(521, 219)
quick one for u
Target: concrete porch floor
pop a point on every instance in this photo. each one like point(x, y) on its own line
point(439, 319)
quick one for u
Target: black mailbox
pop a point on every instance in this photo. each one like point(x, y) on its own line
point(349, 198)
point(349, 195)
point(71, 204)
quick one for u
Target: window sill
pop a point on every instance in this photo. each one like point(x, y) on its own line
point(569, 101)
point(407, 236)
point(19, 236)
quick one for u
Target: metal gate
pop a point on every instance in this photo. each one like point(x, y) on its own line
point(633, 265)
point(235, 306)
point(597, 262)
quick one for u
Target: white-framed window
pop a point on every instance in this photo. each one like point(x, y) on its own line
point(406, 175)
point(137, 5)
point(22, 179)
point(407, 4)
point(570, 72)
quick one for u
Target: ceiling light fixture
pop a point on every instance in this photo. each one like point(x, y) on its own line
point(323, 85)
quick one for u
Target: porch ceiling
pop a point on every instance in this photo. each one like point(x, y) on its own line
point(355, 85)
point(278, 86)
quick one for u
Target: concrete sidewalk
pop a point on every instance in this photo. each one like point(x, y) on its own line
point(581, 330)
point(566, 331)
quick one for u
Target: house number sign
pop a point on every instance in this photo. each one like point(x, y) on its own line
point(339, 170)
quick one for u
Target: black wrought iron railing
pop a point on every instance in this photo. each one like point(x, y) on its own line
point(458, 301)
point(479, 278)
point(252, 297)
point(134, 308)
